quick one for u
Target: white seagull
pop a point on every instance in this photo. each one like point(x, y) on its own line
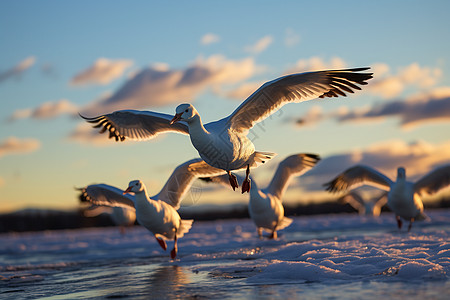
point(368, 207)
point(120, 216)
point(157, 213)
point(224, 144)
point(403, 196)
point(265, 205)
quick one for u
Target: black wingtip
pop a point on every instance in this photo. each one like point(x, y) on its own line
point(206, 179)
point(86, 118)
point(313, 156)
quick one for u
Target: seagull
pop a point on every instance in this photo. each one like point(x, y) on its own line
point(157, 213)
point(368, 207)
point(265, 205)
point(224, 144)
point(404, 197)
point(120, 216)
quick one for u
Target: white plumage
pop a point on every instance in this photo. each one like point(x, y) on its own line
point(368, 207)
point(403, 196)
point(265, 205)
point(224, 144)
point(120, 216)
point(157, 213)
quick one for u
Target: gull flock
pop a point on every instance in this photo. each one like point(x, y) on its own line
point(223, 147)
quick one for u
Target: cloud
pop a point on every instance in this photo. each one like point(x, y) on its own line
point(13, 145)
point(418, 158)
point(2, 182)
point(316, 63)
point(18, 69)
point(159, 85)
point(422, 108)
point(209, 38)
point(385, 84)
point(46, 110)
point(84, 134)
point(313, 116)
point(103, 71)
point(243, 91)
point(415, 111)
point(389, 85)
point(260, 45)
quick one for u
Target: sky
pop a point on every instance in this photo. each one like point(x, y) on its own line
point(61, 58)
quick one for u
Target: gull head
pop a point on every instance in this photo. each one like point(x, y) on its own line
point(401, 173)
point(134, 186)
point(184, 112)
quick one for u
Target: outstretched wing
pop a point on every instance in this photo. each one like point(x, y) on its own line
point(293, 165)
point(181, 180)
point(95, 210)
point(354, 199)
point(295, 88)
point(136, 125)
point(103, 194)
point(378, 203)
point(433, 181)
point(357, 176)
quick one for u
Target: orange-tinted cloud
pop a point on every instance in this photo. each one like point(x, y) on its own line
point(412, 112)
point(13, 145)
point(159, 85)
point(424, 108)
point(18, 69)
point(260, 45)
point(84, 134)
point(46, 110)
point(243, 91)
point(389, 85)
point(103, 71)
point(316, 63)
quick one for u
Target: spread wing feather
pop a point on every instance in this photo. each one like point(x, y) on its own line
point(295, 88)
point(136, 125)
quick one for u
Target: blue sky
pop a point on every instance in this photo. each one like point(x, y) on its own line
point(62, 57)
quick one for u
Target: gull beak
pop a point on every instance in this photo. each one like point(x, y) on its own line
point(176, 118)
point(127, 190)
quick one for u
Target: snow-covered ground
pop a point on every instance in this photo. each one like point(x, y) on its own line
point(326, 256)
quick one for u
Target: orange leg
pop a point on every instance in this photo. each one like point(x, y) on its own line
point(247, 183)
point(233, 180)
point(399, 222)
point(410, 224)
point(174, 251)
point(162, 243)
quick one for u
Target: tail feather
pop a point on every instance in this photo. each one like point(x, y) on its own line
point(285, 222)
point(261, 158)
point(185, 226)
point(421, 217)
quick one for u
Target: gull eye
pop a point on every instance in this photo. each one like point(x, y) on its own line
point(136, 184)
point(186, 110)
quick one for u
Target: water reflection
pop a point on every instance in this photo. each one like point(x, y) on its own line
point(169, 282)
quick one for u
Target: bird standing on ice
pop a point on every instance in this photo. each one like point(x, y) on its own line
point(157, 213)
point(224, 144)
point(265, 205)
point(403, 196)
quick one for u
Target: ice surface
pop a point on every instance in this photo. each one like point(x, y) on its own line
point(330, 256)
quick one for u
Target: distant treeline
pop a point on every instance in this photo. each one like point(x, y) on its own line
point(38, 220)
